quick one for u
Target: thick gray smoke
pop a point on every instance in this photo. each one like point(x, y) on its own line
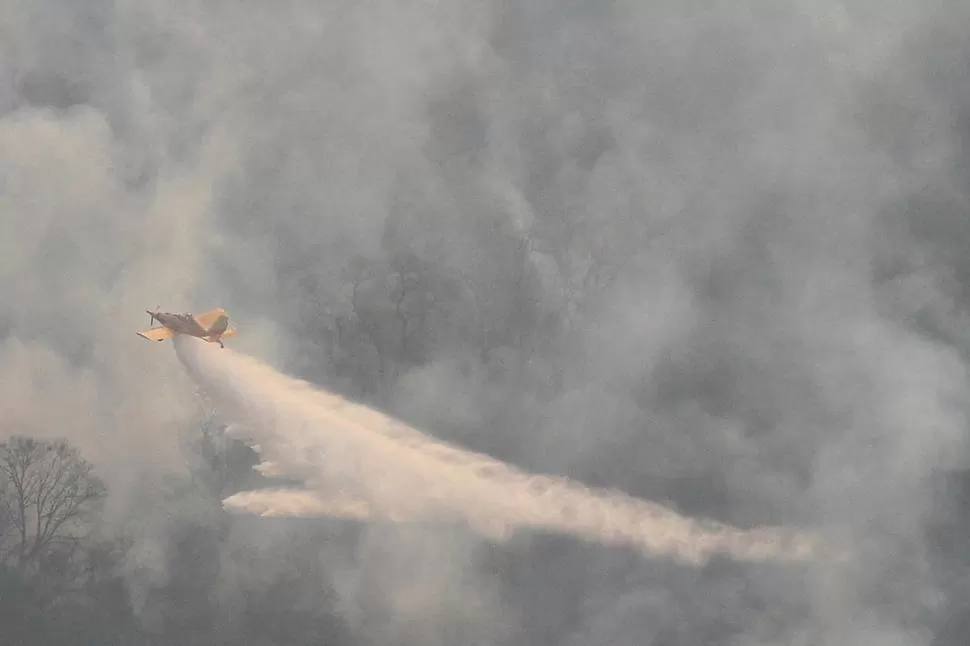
point(710, 254)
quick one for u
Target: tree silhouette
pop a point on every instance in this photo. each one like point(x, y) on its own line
point(46, 488)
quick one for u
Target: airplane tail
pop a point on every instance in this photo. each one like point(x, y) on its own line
point(218, 326)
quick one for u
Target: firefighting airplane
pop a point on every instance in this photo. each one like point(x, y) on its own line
point(212, 326)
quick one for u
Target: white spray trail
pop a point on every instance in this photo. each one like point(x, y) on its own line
point(358, 462)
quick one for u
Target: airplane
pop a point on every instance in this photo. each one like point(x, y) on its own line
point(213, 326)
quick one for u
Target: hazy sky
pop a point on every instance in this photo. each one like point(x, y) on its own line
point(767, 203)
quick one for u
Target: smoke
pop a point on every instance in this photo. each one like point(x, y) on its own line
point(714, 256)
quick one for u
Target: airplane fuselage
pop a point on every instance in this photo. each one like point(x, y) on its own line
point(212, 326)
point(180, 323)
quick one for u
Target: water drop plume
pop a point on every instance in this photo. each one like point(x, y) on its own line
point(358, 462)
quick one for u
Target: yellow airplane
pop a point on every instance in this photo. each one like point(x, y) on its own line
point(212, 326)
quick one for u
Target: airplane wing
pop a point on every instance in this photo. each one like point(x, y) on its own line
point(206, 320)
point(156, 334)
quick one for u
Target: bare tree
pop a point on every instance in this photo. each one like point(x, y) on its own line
point(46, 488)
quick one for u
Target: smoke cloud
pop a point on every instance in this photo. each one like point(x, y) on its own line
point(714, 257)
